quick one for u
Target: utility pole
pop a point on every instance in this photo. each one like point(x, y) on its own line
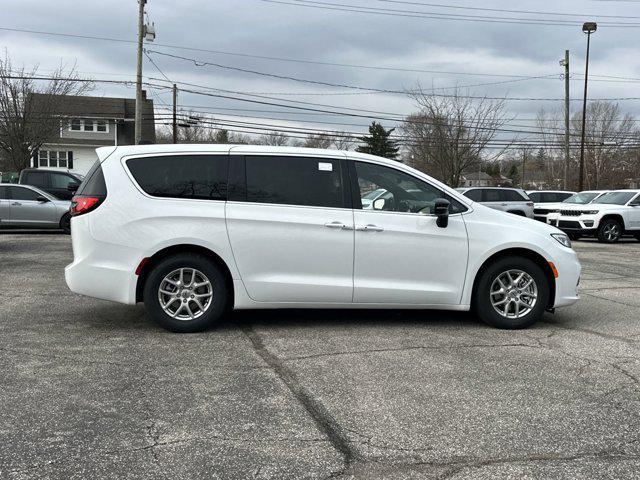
point(138, 118)
point(588, 28)
point(524, 164)
point(175, 112)
point(567, 153)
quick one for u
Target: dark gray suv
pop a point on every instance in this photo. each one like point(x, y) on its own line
point(62, 185)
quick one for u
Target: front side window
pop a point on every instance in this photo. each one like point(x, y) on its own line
point(20, 193)
point(404, 193)
point(306, 181)
point(182, 176)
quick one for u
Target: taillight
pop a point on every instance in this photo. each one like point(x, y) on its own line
point(84, 204)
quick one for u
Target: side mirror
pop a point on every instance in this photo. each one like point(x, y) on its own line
point(441, 211)
point(42, 199)
point(379, 204)
point(72, 187)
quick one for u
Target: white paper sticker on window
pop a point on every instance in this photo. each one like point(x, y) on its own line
point(325, 167)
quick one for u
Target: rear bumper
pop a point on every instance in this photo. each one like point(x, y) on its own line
point(94, 272)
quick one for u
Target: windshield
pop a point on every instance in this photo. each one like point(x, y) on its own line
point(373, 194)
point(616, 198)
point(581, 198)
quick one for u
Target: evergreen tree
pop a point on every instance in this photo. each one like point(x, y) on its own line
point(379, 143)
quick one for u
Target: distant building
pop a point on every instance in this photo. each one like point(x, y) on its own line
point(476, 179)
point(87, 123)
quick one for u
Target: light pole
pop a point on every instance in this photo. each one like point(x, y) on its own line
point(588, 28)
point(565, 63)
point(145, 32)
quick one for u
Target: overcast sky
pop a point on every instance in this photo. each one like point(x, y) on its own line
point(456, 50)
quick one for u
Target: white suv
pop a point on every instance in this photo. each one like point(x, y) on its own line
point(607, 218)
point(196, 230)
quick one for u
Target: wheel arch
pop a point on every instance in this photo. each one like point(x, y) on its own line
point(613, 216)
point(519, 252)
point(151, 262)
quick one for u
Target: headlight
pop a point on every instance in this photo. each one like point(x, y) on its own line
point(562, 238)
point(590, 212)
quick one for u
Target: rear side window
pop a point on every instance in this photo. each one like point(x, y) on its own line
point(37, 179)
point(59, 180)
point(475, 195)
point(93, 184)
point(304, 181)
point(182, 176)
point(539, 197)
point(562, 196)
point(492, 196)
point(4, 194)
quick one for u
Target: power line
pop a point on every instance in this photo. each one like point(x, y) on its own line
point(439, 16)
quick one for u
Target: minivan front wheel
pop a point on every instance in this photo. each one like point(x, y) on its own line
point(512, 293)
point(186, 293)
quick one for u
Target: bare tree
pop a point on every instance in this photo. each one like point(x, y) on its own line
point(452, 134)
point(317, 140)
point(342, 141)
point(608, 135)
point(275, 138)
point(26, 120)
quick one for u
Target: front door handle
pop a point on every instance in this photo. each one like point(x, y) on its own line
point(370, 228)
point(16, 203)
point(338, 225)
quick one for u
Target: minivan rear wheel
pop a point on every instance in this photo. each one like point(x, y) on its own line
point(512, 293)
point(186, 293)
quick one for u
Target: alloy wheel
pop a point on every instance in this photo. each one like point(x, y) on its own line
point(611, 232)
point(513, 294)
point(185, 293)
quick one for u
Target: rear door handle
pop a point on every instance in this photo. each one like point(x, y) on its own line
point(338, 225)
point(370, 228)
point(16, 203)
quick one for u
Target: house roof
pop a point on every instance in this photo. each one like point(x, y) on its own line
point(100, 107)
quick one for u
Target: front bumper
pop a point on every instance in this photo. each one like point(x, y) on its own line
point(569, 270)
point(584, 226)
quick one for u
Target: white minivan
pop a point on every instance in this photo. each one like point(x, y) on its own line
point(196, 230)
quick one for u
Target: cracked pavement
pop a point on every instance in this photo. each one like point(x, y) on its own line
point(92, 389)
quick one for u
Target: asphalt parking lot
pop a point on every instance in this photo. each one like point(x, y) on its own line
point(91, 389)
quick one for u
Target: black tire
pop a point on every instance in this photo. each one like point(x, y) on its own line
point(605, 232)
point(482, 297)
point(65, 223)
point(575, 236)
point(214, 310)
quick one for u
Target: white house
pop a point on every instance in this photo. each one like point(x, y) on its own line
point(87, 123)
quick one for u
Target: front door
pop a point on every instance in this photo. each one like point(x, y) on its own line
point(25, 208)
point(291, 228)
point(401, 255)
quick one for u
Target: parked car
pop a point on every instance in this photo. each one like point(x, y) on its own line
point(195, 230)
point(61, 184)
point(543, 212)
point(548, 196)
point(29, 207)
point(511, 200)
point(607, 218)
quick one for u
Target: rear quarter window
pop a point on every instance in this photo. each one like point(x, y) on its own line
point(513, 196)
point(93, 184)
point(475, 195)
point(182, 176)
